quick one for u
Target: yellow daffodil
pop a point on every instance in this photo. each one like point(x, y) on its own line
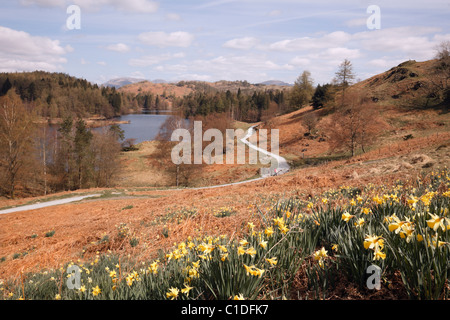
point(379, 255)
point(436, 222)
point(278, 221)
point(243, 242)
point(248, 269)
point(268, 232)
point(239, 297)
point(240, 250)
point(273, 261)
point(373, 242)
point(173, 293)
point(96, 291)
point(359, 223)
point(263, 244)
point(251, 251)
point(347, 216)
point(186, 289)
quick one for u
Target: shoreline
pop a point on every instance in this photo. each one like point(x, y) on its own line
point(90, 122)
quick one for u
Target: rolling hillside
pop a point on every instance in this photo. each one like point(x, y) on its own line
point(411, 141)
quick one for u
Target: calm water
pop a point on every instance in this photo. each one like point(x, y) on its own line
point(142, 127)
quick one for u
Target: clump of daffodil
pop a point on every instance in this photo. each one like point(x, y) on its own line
point(254, 271)
point(375, 243)
point(320, 256)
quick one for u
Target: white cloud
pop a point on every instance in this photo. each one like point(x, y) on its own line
point(102, 63)
point(333, 39)
point(246, 43)
point(24, 52)
point(133, 6)
point(408, 41)
point(300, 61)
point(250, 67)
point(118, 47)
point(44, 3)
point(150, 60)
point(137, 74)
point(163, 39)
point(356, 22)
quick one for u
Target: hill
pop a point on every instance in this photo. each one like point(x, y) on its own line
point(276, 83)
point(411, 141)
point(120, 82)
point(56, 95)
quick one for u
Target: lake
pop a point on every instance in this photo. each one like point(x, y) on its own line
point(142, 127)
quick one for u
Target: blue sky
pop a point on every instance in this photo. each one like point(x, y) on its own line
point(219, 39)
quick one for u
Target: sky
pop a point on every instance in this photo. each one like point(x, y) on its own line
point(212, 40)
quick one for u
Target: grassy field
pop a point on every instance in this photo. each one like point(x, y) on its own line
point(321, 248)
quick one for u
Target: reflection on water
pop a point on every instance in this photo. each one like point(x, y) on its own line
point(142, 127)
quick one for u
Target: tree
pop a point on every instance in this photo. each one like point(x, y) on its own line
point(356, 123)
point(345, 76)
point(83, 154)
point(442, 67)
point(302, 91)
point(5, 87)
point(323, 95)
point(105, 149)
point(310, 121)
point(180, 174)
point(16, 133)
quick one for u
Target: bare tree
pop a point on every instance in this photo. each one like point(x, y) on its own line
point(442, 67)
point(181, 173)
point(16, 132)
point(106, 150)
point(310, 121)
point(355, 123)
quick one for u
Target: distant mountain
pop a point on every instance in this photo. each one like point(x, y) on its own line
point(159, 81)
point(120, 82)
point(276, 83)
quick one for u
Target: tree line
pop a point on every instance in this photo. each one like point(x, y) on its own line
point(37, 158)
point(57, 95)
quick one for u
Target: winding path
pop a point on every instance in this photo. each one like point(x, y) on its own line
point(281, 168)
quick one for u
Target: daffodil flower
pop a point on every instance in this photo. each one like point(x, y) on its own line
point(173, 293)
point(96, 291)
point(347, 216)
point(239, 297)
point(435, 222)
point(273, 261)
